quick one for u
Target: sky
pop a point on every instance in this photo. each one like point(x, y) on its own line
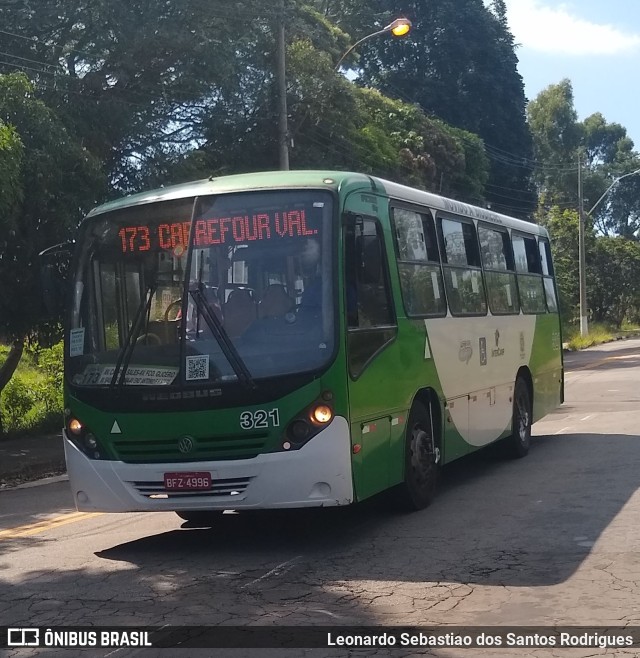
point(593, 43)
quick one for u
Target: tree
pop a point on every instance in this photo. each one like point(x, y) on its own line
point(557, 136)
point(131, 78)
point(164, 91)
point(52, 181)
point(615, 286)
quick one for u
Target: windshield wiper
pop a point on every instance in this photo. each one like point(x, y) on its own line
point(221, 335)
point(124, 358)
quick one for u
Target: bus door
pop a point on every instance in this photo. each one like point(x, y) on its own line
point(371, 351)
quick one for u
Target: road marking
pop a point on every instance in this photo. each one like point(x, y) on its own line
point(595, 364)
point(586, 417)
point(48, 524)
point(276, 571)
point(562, 430)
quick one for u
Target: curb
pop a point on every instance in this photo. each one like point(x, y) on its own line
point(32, 472)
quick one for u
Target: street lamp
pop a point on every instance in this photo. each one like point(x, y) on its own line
point(615, 181)
point(584, 328)
point(400, 27)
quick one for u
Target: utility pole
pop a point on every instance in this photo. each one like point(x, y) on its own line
point(281, 75)
point(584, 327)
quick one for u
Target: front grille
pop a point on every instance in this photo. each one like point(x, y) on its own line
point(219, 489)
point(138, 451)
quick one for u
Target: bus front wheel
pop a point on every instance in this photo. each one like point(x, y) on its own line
point(421, 461)
point(520, 440)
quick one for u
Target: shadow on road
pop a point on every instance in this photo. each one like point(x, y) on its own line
point(523, 523)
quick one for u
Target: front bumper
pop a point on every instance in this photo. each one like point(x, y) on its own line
point(316, 475)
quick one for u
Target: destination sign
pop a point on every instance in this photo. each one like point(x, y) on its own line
point(216, 230)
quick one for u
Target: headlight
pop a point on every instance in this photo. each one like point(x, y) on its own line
point(309, 422)
point(83, 438)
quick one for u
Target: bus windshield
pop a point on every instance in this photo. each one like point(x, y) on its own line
point(236, 287)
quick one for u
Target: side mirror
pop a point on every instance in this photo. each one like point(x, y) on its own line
point(55, 263)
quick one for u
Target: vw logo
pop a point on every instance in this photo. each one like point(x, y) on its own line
point(185, 444)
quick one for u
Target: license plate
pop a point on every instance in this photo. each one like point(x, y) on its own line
point(187, 481)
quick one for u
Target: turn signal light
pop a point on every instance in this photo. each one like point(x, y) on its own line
point(322, 414)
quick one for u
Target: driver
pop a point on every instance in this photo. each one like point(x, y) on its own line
point(311, 301)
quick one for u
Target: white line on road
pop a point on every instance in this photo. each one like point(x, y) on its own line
point(276, 571)
point(562, 430)
point(587, 417)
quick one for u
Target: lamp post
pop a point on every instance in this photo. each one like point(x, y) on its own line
point(281, 74)
point(397, 28)
point(615, 181)
point(584, 329)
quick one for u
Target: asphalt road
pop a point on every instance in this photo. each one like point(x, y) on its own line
point(548, 540)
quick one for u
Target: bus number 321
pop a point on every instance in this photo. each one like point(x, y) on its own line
point(259, 419)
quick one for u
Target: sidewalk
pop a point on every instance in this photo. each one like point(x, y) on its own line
point(30, 458)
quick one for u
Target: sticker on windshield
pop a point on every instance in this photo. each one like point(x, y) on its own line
point(76, 342)
point(98, 375)
point(197, 367)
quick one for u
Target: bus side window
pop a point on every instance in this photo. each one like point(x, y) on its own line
point(529, 268)
point(461, 264)
point(499, 270)
point(418, 263)
point(369, 308)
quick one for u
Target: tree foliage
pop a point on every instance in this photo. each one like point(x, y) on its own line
point(11, 156)
point(557, 135)
point(612, 270)
point(151, 93)
point(133, 78)
point(335, 124)
point(54, 179)
point(614, 293)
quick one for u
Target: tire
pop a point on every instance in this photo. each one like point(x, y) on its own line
point(201, 518)
point(518, 443)
point(421, 468)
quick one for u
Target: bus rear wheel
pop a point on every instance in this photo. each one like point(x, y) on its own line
point(421, 466)
point(201, 518)
point(520, 440)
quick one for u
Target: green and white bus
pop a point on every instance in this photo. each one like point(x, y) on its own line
point(299, 339)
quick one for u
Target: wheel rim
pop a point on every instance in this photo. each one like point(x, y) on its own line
point(421, 460)
point(522, 405)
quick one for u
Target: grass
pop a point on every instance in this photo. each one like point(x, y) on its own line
point(31, 403)
point(598, 334)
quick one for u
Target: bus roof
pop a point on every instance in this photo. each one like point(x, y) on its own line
point(315, 179)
